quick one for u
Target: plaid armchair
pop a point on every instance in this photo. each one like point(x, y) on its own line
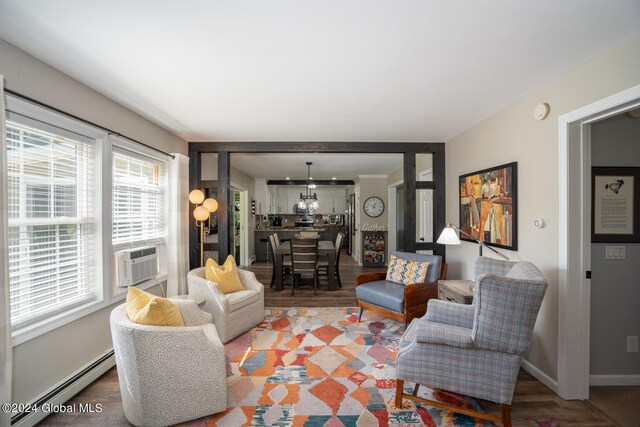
point(475, 350)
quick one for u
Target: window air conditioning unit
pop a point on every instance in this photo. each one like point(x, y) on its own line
point(136, 265)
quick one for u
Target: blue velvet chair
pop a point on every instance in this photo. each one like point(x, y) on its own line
point(396, 300)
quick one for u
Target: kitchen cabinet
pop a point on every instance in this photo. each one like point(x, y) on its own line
point(293, 197)
point(339, 203)
point(331, 201)
point(260, 189)
point(281, 201)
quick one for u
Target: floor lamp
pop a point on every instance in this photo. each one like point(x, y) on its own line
point(449, 237)
point(202, 214)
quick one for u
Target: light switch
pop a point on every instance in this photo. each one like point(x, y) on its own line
point(615, 252)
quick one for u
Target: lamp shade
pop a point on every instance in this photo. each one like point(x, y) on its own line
point(196, 197)
point(201, 213)
point(211, 205)
point(448, 237)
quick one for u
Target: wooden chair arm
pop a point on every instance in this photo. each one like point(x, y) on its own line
point(443, 271)
point(417, 294)
point(370, 277)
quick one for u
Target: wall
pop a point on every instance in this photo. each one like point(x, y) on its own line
point(513, 135)
point(369, 187)
point(42, 362)
point(615, 284)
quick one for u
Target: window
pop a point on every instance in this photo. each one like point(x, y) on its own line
point(67, 182)
point(52, 224)
point(138, 199)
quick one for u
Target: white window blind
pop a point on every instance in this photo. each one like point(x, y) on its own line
point(138, 199)
point(52, 238)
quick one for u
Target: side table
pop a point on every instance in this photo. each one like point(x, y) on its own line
point(460, 291)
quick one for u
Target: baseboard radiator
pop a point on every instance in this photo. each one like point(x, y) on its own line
point(65, 390)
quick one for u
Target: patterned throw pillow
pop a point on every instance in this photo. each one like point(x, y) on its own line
point(405, 271)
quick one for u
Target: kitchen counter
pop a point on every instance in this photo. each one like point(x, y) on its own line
point(327, 232)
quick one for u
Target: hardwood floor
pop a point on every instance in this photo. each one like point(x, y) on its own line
point(533, 403)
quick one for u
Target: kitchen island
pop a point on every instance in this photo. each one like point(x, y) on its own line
point(326, 232)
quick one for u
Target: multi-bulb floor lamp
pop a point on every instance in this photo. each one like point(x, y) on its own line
point(449, 237)
point(202, 214)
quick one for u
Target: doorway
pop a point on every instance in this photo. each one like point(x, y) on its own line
point(425, 211)
point(575, 238)
point(239, 226)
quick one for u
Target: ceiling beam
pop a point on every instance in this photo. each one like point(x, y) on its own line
point(316, 147)
point(312, 182)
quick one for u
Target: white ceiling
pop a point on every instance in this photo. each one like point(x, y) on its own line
point(301, 70)
point(325, 166)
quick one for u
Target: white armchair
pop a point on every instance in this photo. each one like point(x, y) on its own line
point(233, 313)
point(169, 374)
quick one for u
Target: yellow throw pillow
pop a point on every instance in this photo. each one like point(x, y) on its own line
point(405, 271)
point(147, 309)
point(226, 276)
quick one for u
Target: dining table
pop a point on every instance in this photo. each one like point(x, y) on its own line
point(325, 247)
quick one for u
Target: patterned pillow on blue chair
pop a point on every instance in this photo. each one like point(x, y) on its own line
point(405, 271)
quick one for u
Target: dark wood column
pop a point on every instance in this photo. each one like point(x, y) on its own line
point(194, 235)
point(410, 201)
point(440, 200)
point(225, 205)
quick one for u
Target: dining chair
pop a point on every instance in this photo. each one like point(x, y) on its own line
point(286, 259)
point(323, 264)
point(304, 260)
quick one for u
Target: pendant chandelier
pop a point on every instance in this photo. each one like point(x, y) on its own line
point(308, 200)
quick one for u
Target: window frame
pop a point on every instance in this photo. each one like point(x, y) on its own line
point(117, 293)
point(106, 294)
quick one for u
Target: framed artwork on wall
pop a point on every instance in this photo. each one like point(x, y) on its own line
point(615, 205)
point(488, 206)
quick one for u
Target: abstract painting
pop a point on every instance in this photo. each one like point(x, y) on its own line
point(488, 208)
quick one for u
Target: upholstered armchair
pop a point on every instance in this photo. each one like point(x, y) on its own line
point(233, 313)
point(169, 374)
point(475, 350)
point(396, 300)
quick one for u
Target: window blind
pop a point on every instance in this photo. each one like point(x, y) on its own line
point(51, 237)
point(138, 199)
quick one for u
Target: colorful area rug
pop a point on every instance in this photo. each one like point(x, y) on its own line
point(316, 367)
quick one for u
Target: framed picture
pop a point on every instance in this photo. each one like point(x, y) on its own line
point(615, 204)
point(488, 206)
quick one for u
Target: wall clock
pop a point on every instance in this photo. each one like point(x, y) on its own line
point(373, 206)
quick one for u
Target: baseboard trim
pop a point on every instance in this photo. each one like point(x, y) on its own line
point(614, 380)
point(65, 390)
point(540, 376)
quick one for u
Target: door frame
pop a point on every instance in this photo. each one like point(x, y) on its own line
point(244, 224)
point(574, 139)
point(422, 174)
point(409, 150)
point(392, 234)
